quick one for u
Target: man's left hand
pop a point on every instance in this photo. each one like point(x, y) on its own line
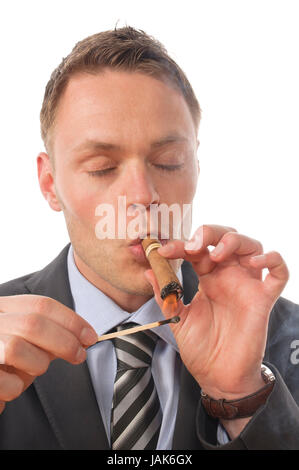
point(222, 333)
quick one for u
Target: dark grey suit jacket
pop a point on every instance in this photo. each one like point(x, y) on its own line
point(59, 410)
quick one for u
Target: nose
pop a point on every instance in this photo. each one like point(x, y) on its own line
point(139, 186)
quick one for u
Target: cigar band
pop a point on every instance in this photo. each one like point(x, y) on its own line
point(151, 247)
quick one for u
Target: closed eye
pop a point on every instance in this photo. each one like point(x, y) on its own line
point(106, 171)
point(101, 172)
point(169, 167)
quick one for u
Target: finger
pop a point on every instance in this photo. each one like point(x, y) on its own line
point(238, 244)
point(45, 334)
point(173, 250)
point(201, 260)
point(52, 309)
point(204, 236)
point(11, 386)
point(150, 277)
point(202, 263)
point(21, 355)
point(26, 378)
point(196, 251)
point(278, 275)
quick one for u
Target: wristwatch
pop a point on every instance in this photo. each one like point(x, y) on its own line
point(242, 407)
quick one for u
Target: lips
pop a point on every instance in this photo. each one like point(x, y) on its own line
point(138, 240)
point(136, 249)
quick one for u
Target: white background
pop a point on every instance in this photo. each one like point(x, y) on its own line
point(242, 60)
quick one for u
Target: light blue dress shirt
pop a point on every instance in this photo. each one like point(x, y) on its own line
point(103, 315)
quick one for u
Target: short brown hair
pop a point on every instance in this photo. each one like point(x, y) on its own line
point(122, 49)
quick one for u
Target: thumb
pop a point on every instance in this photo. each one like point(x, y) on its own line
point(150, 277)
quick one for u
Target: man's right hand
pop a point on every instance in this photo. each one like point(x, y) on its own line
point(34, 330)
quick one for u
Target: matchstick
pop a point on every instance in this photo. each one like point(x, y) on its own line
point(130, 331)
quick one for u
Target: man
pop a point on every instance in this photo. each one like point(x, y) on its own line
point(119, 118)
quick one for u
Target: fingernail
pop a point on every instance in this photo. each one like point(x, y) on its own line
point(166, 249)
point(259, 257)
point(218, 249)
point(194, 244)
point(88, 336)
point(81, 355)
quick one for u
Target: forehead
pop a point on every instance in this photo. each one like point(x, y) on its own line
point(120, 106)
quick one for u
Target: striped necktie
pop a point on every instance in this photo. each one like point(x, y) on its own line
point(136, 414)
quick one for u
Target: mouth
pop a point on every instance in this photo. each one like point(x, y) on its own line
point(136, 248)
point(137, 241)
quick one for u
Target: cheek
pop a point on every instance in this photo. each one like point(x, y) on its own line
point(191, 190)
point(182, 189)
point(78, 197)
point(190, 181)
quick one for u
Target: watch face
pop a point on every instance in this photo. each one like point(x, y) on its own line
point(267, 374)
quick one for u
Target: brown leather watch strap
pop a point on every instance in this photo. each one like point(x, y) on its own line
point(242, 407)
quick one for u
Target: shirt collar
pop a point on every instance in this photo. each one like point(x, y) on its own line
point(103, 314)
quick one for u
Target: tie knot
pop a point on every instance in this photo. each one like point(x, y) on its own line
point(135, 350)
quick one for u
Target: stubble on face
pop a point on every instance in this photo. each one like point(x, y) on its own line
point(108, 263)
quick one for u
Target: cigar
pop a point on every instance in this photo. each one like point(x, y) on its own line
point(165, 275)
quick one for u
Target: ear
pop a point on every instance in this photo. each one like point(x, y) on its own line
point(46, 180)
point(198, 167)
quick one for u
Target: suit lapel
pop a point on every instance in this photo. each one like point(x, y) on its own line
point(65, 390)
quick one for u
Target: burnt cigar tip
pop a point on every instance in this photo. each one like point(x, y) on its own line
point(172, 287)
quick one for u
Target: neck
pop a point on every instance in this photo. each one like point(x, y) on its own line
point(126, 301)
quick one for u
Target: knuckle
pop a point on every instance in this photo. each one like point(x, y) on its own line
point(13, 349)
point(230, 236)
point(41, 304)
point(71, 323)
point(70, 348)
point(32, 324)
point(276, 257)
point(260, 246)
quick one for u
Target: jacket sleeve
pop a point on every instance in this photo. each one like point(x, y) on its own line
point(275, 425)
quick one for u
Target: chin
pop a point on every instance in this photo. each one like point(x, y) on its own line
point(142, 289)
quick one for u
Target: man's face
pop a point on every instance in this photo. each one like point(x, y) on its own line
point(120, 134)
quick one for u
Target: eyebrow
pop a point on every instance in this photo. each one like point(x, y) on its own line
point(97, 145)
point(174, 138)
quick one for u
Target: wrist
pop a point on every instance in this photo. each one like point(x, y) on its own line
point(242, 406)
point(239, 389)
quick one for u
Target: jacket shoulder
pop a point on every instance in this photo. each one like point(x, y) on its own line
point(15, 286)
point(51, 281)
